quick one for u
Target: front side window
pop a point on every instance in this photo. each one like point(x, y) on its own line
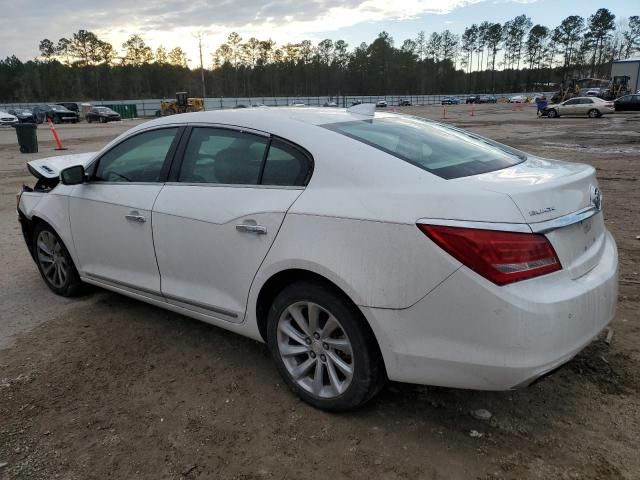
point(572, 102)
point(137, 159)
point(216, 155)
point(444, 151)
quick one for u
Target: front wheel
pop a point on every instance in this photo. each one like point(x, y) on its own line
point(323, 348)
point(552, 114)
point(593, 113)
point(55, 263)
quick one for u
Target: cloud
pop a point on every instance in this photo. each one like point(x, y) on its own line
point(174, 22)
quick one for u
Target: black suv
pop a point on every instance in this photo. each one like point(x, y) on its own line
point(55, 113)
point(72, 106)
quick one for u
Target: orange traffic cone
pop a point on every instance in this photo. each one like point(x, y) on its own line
point(55, 136)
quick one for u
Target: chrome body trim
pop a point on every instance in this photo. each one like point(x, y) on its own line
point(98, 280)
point(564, 221)
point(505, 227)
point(203, 306)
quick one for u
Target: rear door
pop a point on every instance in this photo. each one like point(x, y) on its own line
point(215, 221)
point(584, 106)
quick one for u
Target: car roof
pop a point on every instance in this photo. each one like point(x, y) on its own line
point(266, 119)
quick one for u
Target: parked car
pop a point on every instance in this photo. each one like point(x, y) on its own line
point(591, 106)
point(330, 104)
point(627, 103)
point(517, 99)
point(72, 107)
point(438, 258)
point(450, 101)
point(24, 115)
point(298, 104)
point(356, 102)
point(593, 92)
point(404, 103)
point(55, 113)
point(481, 99)
point(381, 104)
point(241, 105)
point(6, 119)
point(102, 115)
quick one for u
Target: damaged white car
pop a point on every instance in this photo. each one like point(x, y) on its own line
point(359, 246)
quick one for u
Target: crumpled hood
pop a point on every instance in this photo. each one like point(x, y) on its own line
point(51, 167)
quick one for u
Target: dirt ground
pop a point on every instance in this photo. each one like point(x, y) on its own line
point(107, 387)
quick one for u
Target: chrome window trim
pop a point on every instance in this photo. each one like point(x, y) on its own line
point(564, 221)
point(505, 227)
point(235, 185)
point(227, 126)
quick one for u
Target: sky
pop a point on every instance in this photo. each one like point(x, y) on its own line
point(174, 23)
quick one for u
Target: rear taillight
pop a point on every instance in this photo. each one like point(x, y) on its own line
point(501, 257)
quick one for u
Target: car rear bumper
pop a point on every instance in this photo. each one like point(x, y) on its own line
point(470, 333)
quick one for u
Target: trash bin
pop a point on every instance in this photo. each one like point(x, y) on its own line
point(27, 137)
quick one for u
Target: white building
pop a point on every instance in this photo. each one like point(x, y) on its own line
point(629, 67)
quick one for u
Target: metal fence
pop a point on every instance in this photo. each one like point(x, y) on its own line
point(150, 107)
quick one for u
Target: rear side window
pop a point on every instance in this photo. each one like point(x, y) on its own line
point(444, 151)
point(286, 165)
point(216, 155)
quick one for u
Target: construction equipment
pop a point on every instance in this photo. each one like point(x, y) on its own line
point(182, 104)
point(575, 87)
point(619, 87)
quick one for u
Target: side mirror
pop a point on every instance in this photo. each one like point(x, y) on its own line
point(73, 175)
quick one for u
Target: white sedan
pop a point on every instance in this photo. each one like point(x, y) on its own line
point(359, 246)
point(6, 119)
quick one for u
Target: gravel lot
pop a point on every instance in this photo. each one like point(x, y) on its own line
point(108, 387)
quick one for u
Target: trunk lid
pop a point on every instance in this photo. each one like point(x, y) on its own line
point(547, 190)
point(52, 166)
point(543, 189)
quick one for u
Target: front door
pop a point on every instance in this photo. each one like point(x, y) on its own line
point(111, 214)
point(214, 224)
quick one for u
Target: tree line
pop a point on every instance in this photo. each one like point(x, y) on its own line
point(486, 57)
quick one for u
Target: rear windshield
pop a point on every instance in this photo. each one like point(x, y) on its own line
point(442, 150)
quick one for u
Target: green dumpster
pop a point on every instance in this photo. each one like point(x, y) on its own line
point(125, 111)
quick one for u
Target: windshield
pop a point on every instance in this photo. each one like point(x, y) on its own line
point(442, 150)
point(103, 109)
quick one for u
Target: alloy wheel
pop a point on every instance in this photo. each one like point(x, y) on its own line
point(51, 258)
point(315, 349)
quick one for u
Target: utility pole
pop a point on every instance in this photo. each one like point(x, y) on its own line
point(204, 90)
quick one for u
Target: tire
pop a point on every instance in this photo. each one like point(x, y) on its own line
point(56, 120)
point(89, 120)
point(51, 255)
point(552, 113)
point(347, 347)
point(593, 113)
point(103, 120)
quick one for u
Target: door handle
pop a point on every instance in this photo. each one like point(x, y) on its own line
point(257, 229)
point(135, 216)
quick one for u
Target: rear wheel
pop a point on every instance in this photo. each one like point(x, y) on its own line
point(103, 120)
point(54, 262)
point(593, 113)
point(552, 113)
point(322, 347)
